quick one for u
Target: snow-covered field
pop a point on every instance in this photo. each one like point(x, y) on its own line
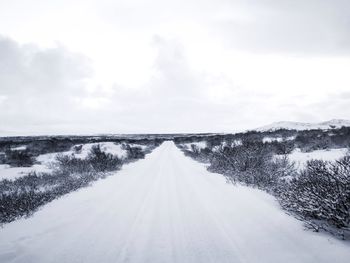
point(45, 160)
point(11, 173)
point(165, 208)
point(300, 158)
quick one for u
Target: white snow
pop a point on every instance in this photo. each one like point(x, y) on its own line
point(236, 143)
point(199, 145)
point(300, 158)
point(109, 147)
point(11, 173)
point(19, 148)
point(278, 139)
point(290, 125)
point(272, 139)
point(143, 147)
point(233, 143)
point(165, 208)
point(290, 138)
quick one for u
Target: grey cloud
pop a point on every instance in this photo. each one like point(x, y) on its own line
point(292, 26)
point(333, 106)
point(173, 76)
point(30, 69)
point(38, 86)
point(276, 26)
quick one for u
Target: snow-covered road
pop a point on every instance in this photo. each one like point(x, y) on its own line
point(165, 208)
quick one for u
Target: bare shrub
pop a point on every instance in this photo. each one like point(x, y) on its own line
point(251, 163)
point(20, 158)
point(21, 197)
point(321, 192)
point(135, 152)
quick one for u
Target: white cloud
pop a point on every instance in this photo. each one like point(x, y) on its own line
point(173, 66)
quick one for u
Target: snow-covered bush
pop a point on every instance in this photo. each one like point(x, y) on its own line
point(283, 147)
point(21, 197)
point(97, 161)
point(77, 148)
point(197, 153)
point(320, 192)
point(102, 161)
point(24, 195)
point(135, 152)
point(251, 163)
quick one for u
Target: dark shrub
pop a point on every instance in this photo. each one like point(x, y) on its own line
point(252, 164)
point(96, 160)
point(102, 161)
point(134, 152)
point(19, 158)
point(77, 148)
point(71, 164)
point(321, 192)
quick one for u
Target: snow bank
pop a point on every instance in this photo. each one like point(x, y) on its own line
point(200, 145)
point(19, 148)
point(11, 173)
point(109, 147)
point(143, 147)
point(272, 139)
point(48, 158)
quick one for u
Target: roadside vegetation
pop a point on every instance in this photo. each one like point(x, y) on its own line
point(318, 193)
point(21, 197)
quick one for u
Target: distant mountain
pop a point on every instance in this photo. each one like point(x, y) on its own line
point(291, 125)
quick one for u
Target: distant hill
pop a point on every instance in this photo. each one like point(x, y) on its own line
point(291, 125)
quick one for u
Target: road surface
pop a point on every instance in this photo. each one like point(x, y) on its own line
point(165, 208)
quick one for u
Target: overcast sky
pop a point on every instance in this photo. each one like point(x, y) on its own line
point(138, 66)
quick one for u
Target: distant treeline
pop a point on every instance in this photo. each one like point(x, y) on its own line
point(306, 141)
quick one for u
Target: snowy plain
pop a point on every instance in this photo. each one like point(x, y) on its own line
point(165, 208)
point(300, 158)
point(11, 173)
